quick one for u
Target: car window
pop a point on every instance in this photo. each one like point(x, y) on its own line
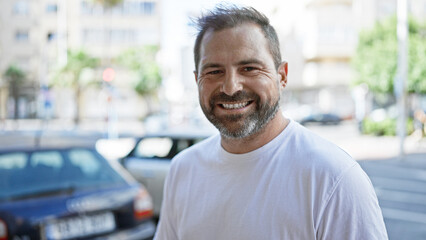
point(85, 161)
point(87, 168)
point(197, 140)
point(182, 144)
point(155, 147)
point(39, 173)
point(52, 159)
point(13, 160)
point(10, 164)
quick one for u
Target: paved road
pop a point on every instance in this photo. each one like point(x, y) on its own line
point(400, 185)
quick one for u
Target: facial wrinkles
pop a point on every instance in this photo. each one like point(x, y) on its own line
point(261, 75)
point(214, 50)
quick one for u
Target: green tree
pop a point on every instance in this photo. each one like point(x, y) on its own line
point(108, 3)
point(15, 77)
point(142, 62)
point(376, 57)
point(75, 75)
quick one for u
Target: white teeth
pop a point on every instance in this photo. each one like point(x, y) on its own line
point(234, 105)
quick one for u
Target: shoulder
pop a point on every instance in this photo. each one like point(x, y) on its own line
point(314, 151)
point(362, 220)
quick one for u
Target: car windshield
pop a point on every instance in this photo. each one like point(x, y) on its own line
point(163, 147)
point(26, 174)
point(154, 147)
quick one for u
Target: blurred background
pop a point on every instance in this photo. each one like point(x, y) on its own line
point(103, 73)
point(77, 61)
point(117, 66)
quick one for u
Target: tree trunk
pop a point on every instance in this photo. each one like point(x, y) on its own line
point(15, 95)
point(77, 116)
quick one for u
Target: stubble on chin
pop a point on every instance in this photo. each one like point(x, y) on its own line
point(240, 126)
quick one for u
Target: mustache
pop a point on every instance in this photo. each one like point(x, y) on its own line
point(236, 97)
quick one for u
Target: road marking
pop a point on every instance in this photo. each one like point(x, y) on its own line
point(399, 184)
point(407, 216)
point(399, 196)
point(396, 172)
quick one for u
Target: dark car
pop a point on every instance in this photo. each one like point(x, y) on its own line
point(322, 118)
point(70, 193)
point(149, 161)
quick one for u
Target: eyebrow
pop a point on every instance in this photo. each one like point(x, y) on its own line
point(250, 61)
point(240, 63)
point(210, 65)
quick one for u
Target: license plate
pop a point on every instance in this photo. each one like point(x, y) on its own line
point(80, 226)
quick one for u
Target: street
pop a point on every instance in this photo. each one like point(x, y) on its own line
point(399, 181)
point(401, 188)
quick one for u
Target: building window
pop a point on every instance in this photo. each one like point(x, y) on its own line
point(51, 36)
point(23, 63)
point(52, 8)
point(386, 8)
point(127, 7)
point(21, 8)
point(21, 36)
point(85, 8)
point(336, 34)
point(90, 8)
point(92, 36)
point(119, 36)
point(148, 8)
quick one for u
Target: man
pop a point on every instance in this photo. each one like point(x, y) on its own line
point(264, 176)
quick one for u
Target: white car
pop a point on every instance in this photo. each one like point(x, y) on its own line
point(149, 161)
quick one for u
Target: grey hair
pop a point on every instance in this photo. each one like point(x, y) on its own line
point(222, 17)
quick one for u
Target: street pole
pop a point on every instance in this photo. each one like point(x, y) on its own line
point(402, 69)
point(62, 37)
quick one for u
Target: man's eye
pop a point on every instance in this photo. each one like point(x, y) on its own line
point(248, 69)
point(214, 72)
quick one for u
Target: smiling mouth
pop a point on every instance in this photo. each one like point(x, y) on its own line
point(231, 106)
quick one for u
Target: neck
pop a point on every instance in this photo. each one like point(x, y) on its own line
point(257, 140)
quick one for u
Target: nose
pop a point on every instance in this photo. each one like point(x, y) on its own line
point(231, 84)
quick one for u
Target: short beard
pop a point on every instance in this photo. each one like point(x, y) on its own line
point(253, 123)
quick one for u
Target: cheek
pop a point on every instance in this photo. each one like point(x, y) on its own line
point(266, 88)
point(204, 92)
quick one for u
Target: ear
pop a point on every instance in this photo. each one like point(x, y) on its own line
point(196, 76)
point(283, 71)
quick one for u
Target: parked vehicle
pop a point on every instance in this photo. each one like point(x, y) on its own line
point(322, 118)
point(149, 161)
point(70, 193)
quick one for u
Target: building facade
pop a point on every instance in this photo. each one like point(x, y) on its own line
point(326, 38)
point(35, 36)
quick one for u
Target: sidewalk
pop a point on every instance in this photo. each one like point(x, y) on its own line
point(366, 147)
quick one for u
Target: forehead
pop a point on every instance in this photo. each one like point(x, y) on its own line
point(234, 44)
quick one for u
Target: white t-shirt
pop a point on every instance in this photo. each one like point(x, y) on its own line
point(298, 186)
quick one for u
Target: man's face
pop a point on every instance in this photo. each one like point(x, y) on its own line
point(237, 81)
